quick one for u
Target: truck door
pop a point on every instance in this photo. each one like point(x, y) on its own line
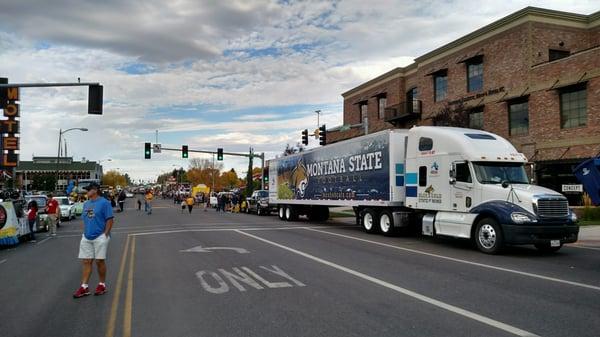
point(462, 191)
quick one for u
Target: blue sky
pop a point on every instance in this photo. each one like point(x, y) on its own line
point(232, 74)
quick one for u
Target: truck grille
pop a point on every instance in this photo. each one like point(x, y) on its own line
point(553, 208)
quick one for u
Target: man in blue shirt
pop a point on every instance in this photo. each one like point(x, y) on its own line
point(97, 220)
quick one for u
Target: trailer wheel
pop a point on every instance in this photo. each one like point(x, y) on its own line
point(281, 212)
point(386, 223)
point(290, 213)
point(369, 220)
point(488, 236)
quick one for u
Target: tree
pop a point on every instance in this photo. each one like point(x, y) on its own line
point(114, 179)
point(456, 115)
point(230, 179)
point(290, 149)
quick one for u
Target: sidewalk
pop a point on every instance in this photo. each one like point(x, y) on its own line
point(589, 236)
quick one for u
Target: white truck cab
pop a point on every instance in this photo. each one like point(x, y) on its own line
point(473, 184)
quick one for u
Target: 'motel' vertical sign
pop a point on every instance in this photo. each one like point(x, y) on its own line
point(9, 129)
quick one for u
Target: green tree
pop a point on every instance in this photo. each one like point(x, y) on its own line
point(44, 182)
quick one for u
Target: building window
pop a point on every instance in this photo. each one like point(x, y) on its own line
point(411, 101)
point(363, 111)
point(476, 118)
point(518, 117)
point(573, 106)
point(475, 75)
point(382, 102)
point(555, 54)
point(440, 85)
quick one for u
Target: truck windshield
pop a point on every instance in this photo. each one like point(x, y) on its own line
point(496, 173)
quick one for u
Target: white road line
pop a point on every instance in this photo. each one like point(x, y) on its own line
point(463, 312)
point(44, 240)
point(2, 261)
point(227, 229)
point(514, 271)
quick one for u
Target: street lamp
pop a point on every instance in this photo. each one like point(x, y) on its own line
point(60, 133)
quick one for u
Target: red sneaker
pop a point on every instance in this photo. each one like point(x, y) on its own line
point(81, 292)
point(100, 290)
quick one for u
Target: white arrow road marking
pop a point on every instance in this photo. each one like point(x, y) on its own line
point(200, 249)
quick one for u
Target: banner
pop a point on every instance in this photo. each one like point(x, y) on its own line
point(9, 224)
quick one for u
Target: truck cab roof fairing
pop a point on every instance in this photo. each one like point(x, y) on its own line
point(474, 145)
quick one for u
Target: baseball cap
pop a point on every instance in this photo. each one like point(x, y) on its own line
point(91, 186)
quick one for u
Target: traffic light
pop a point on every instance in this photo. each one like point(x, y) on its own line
point(265, 176)
point(322, 135)
point(184, 151)
point(147, 150)
point(219, 154)
point(305, 137)
point(95, 100)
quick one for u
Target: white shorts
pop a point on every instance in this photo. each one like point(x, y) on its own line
point(93, 249)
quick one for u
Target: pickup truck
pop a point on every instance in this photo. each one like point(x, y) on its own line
point(258, 203)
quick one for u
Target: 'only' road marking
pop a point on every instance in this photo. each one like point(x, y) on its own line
point(523, 273)
point(466, 313)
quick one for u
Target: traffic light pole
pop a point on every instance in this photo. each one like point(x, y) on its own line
point(247, 155)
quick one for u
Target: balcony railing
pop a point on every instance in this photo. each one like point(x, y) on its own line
point(403, 111)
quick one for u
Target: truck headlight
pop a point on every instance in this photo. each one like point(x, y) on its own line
point(573, 216)
point(518, 217)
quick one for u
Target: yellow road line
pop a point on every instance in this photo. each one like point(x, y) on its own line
point(110, 326)
point(129, 294)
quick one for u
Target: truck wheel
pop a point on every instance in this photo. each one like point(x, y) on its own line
point(281, 212)
point(488, 236)
point(546, 248)
point(386, 223)
point(369, 220)
point(290, 213)
point(258, 211)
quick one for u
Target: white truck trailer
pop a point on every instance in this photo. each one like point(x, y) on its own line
point(444, 181)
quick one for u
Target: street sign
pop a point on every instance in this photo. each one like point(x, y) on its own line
point(572, 188)
point(156, 148)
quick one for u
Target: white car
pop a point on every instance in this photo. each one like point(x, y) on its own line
point(67, 208)
point(128, 194)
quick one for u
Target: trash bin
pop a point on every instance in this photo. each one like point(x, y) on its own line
point(588, 174)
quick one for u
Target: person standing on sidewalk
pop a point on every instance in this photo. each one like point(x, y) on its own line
point(31, 217)
point(53, 211)
point(97, 222)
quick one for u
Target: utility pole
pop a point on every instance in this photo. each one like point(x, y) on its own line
point(318, 112)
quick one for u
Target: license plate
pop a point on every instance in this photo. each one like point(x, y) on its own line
point(554, 243)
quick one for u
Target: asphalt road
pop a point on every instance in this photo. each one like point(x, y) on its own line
point(215, 274)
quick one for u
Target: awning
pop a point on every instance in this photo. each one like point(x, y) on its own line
point(478, 56)
point(514, 95)
point(438, 71)
point(558, 84)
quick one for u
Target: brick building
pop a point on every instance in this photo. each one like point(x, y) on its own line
point(532, 77)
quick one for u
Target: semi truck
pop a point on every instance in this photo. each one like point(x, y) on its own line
point(438, 181)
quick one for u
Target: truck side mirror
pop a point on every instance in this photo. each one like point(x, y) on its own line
point(452, 174)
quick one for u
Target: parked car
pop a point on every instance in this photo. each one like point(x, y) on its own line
point(128, 194)
point(258, 203)
point(41, 200)
point(67, 208)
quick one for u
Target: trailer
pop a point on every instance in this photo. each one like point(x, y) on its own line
point(439, 181)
